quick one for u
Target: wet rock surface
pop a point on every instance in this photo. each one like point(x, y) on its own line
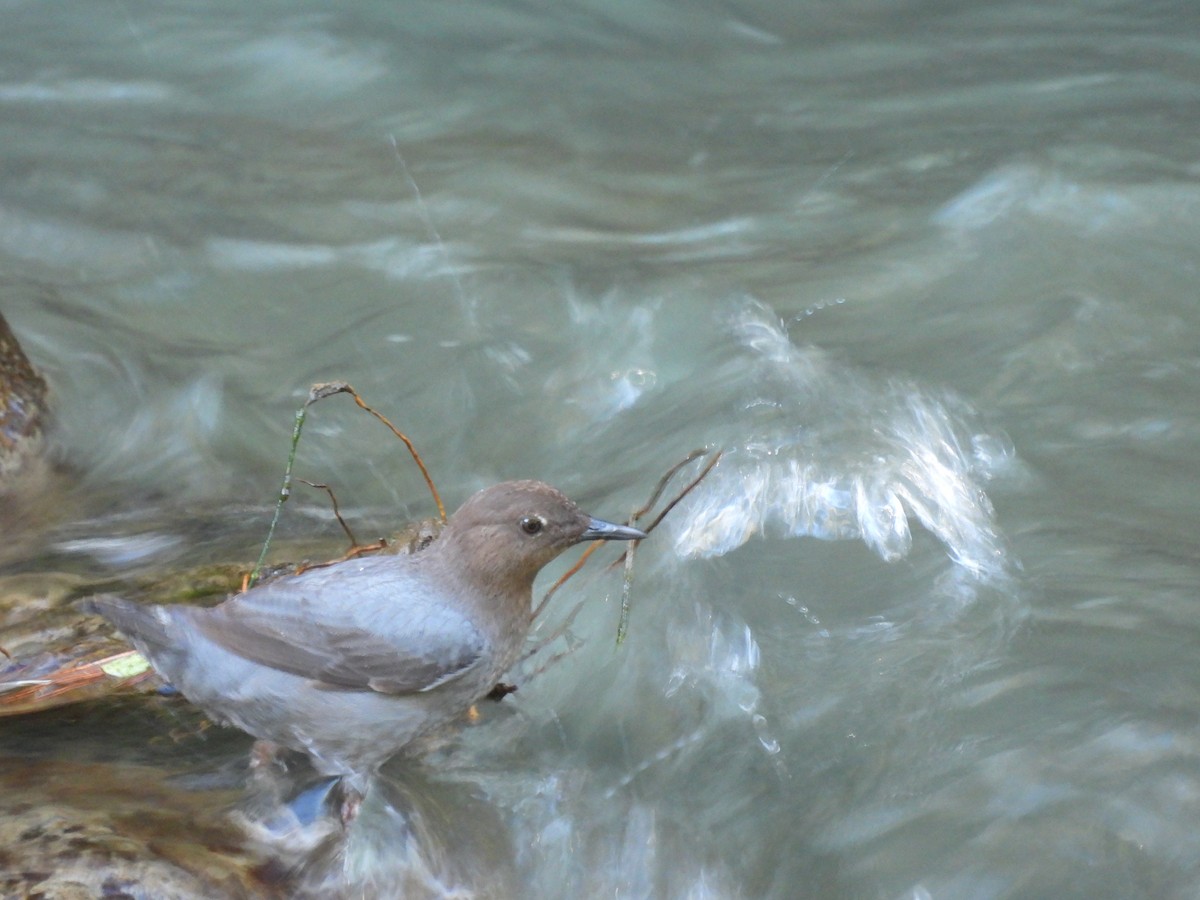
point(71, 830)
point(23, 409)
point(33, 493)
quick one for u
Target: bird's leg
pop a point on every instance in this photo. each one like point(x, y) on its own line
point(267, 775)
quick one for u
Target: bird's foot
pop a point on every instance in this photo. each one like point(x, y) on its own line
point(344, 800)
point(501, 690)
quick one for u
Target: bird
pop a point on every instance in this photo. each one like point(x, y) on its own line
point(351, 663)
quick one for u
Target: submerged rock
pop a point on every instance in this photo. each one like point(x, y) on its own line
point(32, 482)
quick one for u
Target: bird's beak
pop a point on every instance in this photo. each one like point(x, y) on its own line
point(599, 530)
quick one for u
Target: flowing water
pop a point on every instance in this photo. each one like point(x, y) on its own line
point(926, 271)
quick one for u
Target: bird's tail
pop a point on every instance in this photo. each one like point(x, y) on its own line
point(143, 624)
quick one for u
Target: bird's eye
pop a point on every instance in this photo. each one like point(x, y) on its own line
point(532, 524)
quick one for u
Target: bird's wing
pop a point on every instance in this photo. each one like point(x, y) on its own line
point(358, 631)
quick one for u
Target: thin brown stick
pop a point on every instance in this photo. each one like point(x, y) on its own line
point(411, 449)
point(579, 563)
point(662, 482)
point(563, 627)
point(687, 490)
point(674, 502)
point(355, 551)
point(336, 510)
point(321, 391)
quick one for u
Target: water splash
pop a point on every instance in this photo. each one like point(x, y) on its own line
point(836, 455)
point(717, 652)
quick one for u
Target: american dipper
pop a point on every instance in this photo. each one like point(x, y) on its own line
point(351, 662)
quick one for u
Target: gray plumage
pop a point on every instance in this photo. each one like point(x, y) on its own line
point(351, 662)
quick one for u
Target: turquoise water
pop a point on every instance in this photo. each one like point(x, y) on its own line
point(926, 272)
